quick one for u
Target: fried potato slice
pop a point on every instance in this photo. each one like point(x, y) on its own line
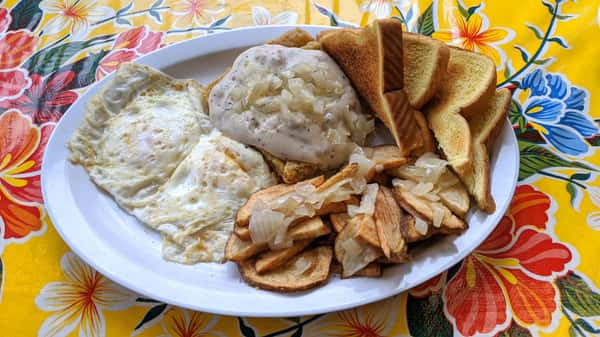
point(353, 253)
point(388, 156)
point(304, 271)
point(275, 258)
point(373, 269)
point(385, 157)
point(338, 207)
point(381, 178)
point(339, 221)
point(366, 230)
point(309, 229)
point(409, 229)
point(305, 229)
point(388, 216)
point(242, 232)
point(268, 194)
point(238, 250)
point(456, 198)
point(347, 172)
point(423, 208)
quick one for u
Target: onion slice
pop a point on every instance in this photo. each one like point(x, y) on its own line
point(264, 225)
point(367, 203)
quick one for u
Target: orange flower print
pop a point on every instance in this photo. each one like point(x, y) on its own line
point(474, 33)
point(21, 147)
point(372, 320)
point(15, 48)
point(79, 300)
point(179, 322)
point(510, 275)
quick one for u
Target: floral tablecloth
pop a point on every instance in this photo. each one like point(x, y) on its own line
point(536, 275)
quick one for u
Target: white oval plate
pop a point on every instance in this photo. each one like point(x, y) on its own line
point(123, 249)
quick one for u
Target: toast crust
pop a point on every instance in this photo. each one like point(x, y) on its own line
point(486, 127)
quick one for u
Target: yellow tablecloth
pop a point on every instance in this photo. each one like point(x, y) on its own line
point(536, 275)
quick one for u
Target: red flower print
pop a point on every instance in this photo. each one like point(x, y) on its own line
point(128, 46)
point(130, 39)
point(15, 47)
point(111, 61)
point(4, 19)
point(151, 42)
point(510, 275)
point(21, 147)
point(13, 82)
point(528, 208)
point(45, 101)
point(431, 286)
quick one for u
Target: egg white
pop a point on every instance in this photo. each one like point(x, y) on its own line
point(137, 130)
point(196, 208)
point(147, 140)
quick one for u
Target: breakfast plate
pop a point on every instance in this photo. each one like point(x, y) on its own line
point(124, 250)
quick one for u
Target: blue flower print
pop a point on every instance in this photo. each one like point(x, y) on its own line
point(557, 110)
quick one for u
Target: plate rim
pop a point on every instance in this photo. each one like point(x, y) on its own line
point(106, 272)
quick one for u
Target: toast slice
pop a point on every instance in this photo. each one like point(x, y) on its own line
point(452, 132)
point(472, 79)
point(387, 156)
point(303, 271)
point(372, 60)
point(465, 91)
point(428, 141)
point(425, 62)
point(484, 130)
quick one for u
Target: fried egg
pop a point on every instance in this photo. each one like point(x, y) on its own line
point(195, 210)
point(147, 140)
point(137, 130)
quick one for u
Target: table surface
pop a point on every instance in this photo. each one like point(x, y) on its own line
point(536, 275)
